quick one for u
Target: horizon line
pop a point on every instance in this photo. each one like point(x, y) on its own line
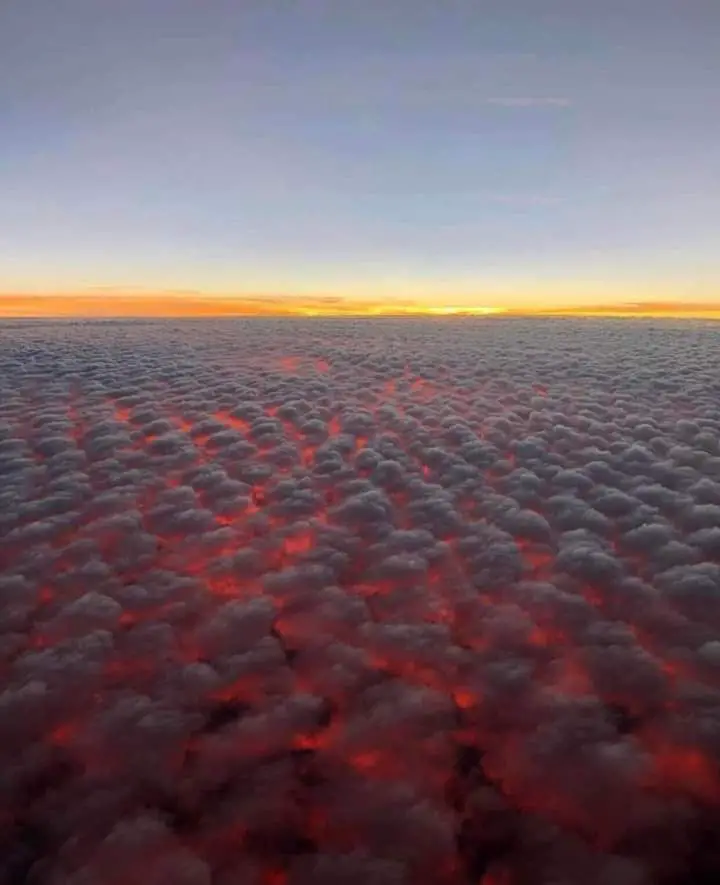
point(176, 304)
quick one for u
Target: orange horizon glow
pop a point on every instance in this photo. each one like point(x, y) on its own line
point(158, 305)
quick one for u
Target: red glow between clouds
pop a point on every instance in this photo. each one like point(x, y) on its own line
point(423, 710)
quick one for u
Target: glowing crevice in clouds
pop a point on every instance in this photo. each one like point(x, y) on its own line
point(349, 603)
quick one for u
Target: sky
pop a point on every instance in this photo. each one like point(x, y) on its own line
point(514, 153)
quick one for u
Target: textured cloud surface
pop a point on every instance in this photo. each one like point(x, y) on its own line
point(341, 602)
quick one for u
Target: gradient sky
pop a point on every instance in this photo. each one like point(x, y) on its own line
point(458, 151)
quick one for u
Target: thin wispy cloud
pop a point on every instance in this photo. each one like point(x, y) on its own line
point(530, 101)
point(528, 199)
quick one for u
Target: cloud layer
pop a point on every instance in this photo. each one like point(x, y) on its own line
point(359, 602)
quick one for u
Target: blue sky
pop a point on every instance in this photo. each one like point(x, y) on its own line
point(473, 151)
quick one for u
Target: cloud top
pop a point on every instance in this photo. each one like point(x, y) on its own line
point(349, 602)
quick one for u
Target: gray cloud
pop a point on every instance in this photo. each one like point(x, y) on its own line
point(443, 610)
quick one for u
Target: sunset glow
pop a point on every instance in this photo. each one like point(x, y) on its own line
point(387, 157)
point(168, 305)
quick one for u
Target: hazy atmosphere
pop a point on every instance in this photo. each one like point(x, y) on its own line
point(528, 154)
